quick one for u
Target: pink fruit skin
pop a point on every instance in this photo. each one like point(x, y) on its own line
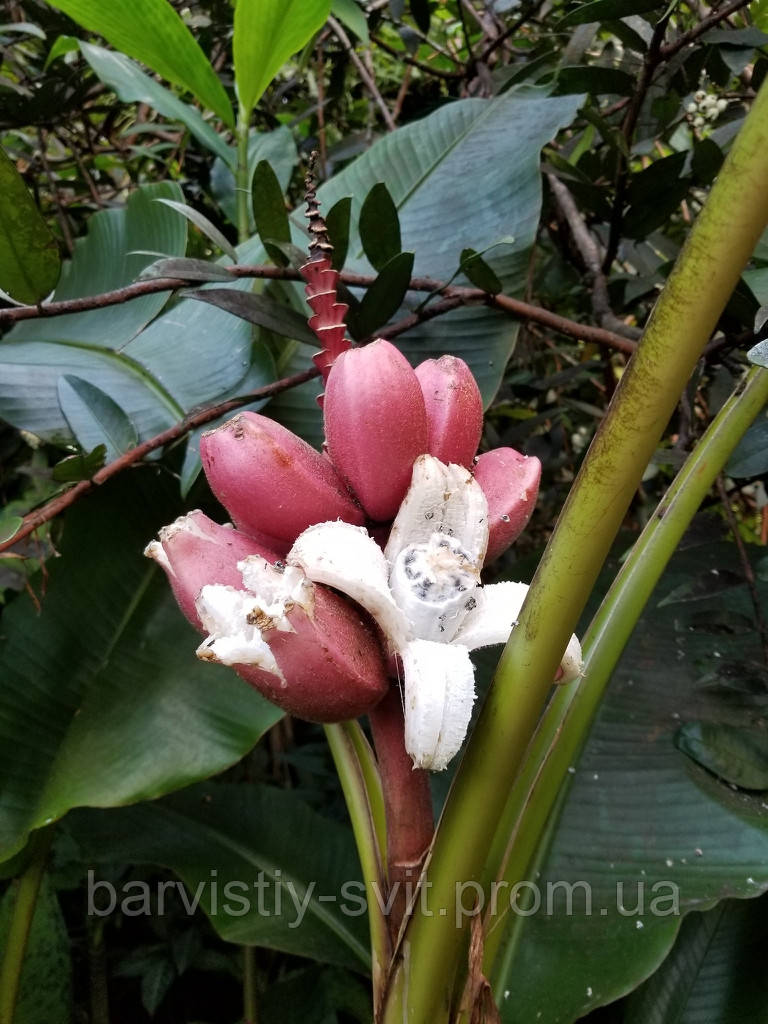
point(333, 663)
point(510, 482)
point(454, 409)
point(375, 425)
point(270, 481)
point(195, 551)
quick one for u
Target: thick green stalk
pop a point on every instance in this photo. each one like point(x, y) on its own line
point(707, 270)
point(242, 177)
point(565, 724)
point(363, 809)
point(15, 946)
point(250, 987)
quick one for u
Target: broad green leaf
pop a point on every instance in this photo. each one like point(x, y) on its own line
point(385, 296)
point(379, 227)
point(737, 755)
point(349, 12)
point(252, 855)
point(94, 418)
point(81, 466)
point(267, 33)
point(277, 146)
point(155, 982)
point(122, 709)
point(337, 222)
point(61, 46)
point(258, 309)
point(202, 223)
point(152, 32)
point(420, 164)
point(643, 827)
point(9, 527)
point(474, 267)
point(269, 213)
point(594, 79)
point(23, 27)
point(608, 10)
point(132, 85)
point(187, 269)
point(29, 257)
point(715, 972)
point(45, 992)
point(190, 355)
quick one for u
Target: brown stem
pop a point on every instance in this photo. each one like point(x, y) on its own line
point(464, 297)
point(407, 804)
point(366, 78)
point(57, 505)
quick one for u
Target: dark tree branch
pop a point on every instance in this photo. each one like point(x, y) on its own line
point(407, 59)
point(591, 261)
point(462, 297)
point(195, 419)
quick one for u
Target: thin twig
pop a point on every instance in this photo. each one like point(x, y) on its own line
point(56, 505)
point(465, 297)
point(362, 70)
point(704, 25)
point(407, 59)
point(746, 566)
point(510, 31)
point(591, 259)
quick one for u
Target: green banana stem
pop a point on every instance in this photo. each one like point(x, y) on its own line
point(365, 805)
point(15, 945)
point(706, 272)
point(565, 724)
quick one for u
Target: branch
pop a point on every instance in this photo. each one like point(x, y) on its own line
point(362, 70)
point(589, 253)
point(56, 505)
point(462, 297)
point(704, 25)
point(407, 59)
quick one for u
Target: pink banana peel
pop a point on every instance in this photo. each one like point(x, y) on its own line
point(510, 482)
point(454, 409)
point(375, 425)
point(194, 551)
point(273, 484)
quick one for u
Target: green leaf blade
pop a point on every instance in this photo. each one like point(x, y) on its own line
point(380, 227)
point(29, 257)
point(267, 33)
point(385, 296)
point(152, 32)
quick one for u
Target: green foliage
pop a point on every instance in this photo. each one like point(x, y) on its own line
point(29, 260)
point(267, 33)
point(152, 32)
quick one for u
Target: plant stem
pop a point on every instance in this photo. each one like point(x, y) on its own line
point(363, 804)
point(565, 724)
point(242, 177)
point(250, 987)
point(28, 888)
point(408, 803)
point(707, 270)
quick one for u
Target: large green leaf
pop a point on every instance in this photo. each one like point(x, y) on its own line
point(132, 85)
point(152, 32)
point(639, 813)
point(498, 140)
point(267, 33)
point(277, 147)
point(103, 701)
point(253, 855)
point(29, 256)
point(155, 374)
point(716, 971)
